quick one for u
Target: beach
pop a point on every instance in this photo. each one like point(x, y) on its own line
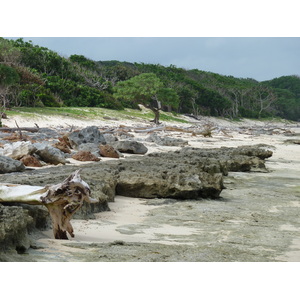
point(255, 218)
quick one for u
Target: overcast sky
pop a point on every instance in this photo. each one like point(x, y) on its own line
point(259, 58)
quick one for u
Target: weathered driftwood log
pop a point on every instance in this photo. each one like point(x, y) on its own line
point(30, 129)
point(62, 200)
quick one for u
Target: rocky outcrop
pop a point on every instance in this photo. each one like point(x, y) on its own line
point(169, 184)
point(14, 222)
point(17, 222)
point(189, 173)
point(89, 134)
point(8, 165)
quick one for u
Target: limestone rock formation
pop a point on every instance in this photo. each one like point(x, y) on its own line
point(14, 222)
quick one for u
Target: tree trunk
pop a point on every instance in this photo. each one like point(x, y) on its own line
point(156, 115)
point(62, 200)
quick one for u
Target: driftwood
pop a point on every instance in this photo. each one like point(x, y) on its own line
point(30, 129)
point(62, 200)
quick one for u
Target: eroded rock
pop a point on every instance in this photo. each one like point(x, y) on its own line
point(85, 156)
point(108, 151)
point(89, 134)
point(30, 161)
point(18, 149)
point(166, 140)
point(132, 147)
point(8, 165)
point(50, 154)
point(14, 222)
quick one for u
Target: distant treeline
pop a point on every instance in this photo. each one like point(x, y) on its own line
point(31, 75)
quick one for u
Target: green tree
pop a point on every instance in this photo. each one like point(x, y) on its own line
point(146, 89)
point(8, 77)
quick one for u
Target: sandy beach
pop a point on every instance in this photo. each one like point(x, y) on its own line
point(178, 223)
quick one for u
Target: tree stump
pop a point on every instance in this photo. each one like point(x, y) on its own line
point(62, 200)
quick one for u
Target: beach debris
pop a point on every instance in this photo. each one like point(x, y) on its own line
point(30, 129)
point(62, 200)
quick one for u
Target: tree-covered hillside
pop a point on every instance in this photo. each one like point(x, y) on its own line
point(31, 75)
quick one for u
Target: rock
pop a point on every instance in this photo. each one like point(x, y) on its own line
point(292, 141)
point(18, 149)
point(50, 154)
point(239, 159)
point(8, 165)
point(17, 223)
point(166, 140)
point(90, 147)
point(62, 147)
point(30, 161)
point(14, 222)
point(63, 144)
point(165, 184)
point(110, 138)
point(132, 147)
point(85, 156)
point(108, 151)
point(89, 134)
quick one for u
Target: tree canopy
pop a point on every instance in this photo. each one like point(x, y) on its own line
point(149, 90)
point(38, 76)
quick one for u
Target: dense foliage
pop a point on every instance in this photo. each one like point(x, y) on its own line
point(31, 75)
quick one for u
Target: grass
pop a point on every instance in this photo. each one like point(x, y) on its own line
point(84, 113)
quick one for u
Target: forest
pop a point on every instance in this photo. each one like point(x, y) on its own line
point(35, 76)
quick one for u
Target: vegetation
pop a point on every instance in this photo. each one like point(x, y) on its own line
point(34, 76)
point(91, 113)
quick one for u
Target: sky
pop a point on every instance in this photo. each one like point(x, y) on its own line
point(260, 58)
point(259, 40)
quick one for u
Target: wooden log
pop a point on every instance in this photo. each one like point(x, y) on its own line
point(30, 129)
point(62, 200)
